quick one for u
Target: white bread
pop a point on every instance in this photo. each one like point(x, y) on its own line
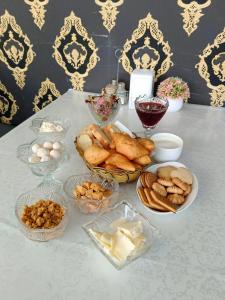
point(84, 141)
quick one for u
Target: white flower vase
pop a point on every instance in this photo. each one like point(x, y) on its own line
point(175, 104)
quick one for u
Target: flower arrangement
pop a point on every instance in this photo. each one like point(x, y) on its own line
point(173, 87)
point(103, 107)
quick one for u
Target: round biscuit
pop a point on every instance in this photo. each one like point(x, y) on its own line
point(175, 190)
point(180, 183)
point(165, 172)
point(176, 199)
point(150, 178)
point(165, 182)
point(183, 174)
point(160, 189)
point(188, 191)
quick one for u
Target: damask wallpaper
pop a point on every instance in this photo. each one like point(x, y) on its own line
point(49, 46)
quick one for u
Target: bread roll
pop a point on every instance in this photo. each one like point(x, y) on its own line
point(95, 155)
point(128, 146)
point(143, 160)
point(120, 161)
point(109, 129)
point(84, 141)
point(100, 135)
point(147, 143)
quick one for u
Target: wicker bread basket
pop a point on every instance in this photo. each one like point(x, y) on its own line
point(121, 176)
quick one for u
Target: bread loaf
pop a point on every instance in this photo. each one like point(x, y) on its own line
point(120, 161)
point(95, 155)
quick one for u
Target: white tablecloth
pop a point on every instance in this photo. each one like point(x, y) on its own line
point(187, 263)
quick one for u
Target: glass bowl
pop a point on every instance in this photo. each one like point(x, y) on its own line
point(103, 223)
point(89, 206)
point(53, 136)
point(32, 197)
point(40, 168)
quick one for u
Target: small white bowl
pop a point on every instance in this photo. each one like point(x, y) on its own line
point(168, 147)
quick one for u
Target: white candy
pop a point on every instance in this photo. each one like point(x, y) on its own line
point(42, 152)
point(45, 158)
point(34, 159)
point(48, 145)
point(35, 148)
point(55, 154)
point(57, 146)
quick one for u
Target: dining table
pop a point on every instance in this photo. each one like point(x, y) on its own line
point(186, 262)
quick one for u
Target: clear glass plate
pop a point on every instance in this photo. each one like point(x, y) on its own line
point(123, 210)
point(85, 204)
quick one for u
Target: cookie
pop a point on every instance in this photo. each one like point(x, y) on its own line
point(165, 172)
point(152, 203)
point(150, 178)
point(142, 179)
point(143, 197)
point(163, 201)
point(165, 182)
point(183, 174)
point(175, 190)
point(176, 199)
point(188, 191)
point(160, 189)
point(184, 186)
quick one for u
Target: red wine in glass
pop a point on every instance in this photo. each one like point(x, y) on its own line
point(150, 111)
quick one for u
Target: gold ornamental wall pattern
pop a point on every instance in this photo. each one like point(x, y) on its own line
point(46, 95)
point(16, 50)
point(109, 12)
point(75, 51)
point(37, 9)
point(211, 68)
point(8, 106)
point(192, 12)
point(147, 49)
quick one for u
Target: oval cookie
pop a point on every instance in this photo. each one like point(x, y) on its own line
point(160, 189)
point(176, 199)
point(175, 190)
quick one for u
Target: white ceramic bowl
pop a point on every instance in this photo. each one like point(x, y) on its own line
point(168, 147)
point(190, 198)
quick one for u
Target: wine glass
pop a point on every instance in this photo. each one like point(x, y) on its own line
point(150, 111)
point(103, 109)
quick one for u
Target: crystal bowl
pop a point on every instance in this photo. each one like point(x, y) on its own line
point(53, 136)
point(32, 197)
point(87, 205)
point(125, 211)
point(40, 168)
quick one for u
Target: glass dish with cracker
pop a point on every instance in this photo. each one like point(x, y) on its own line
point(167, 188)
point(91, 193)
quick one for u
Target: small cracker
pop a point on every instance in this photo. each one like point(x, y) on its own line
point(143, 197)
point(188, 191)
point(165, 172)
point(182, 185)
point(175, 190)
point(176, 199)
point(163, 201)
point(160, 189)
point(142, 179)
point(165, 182)
point(152, 203)
point(150, 178)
